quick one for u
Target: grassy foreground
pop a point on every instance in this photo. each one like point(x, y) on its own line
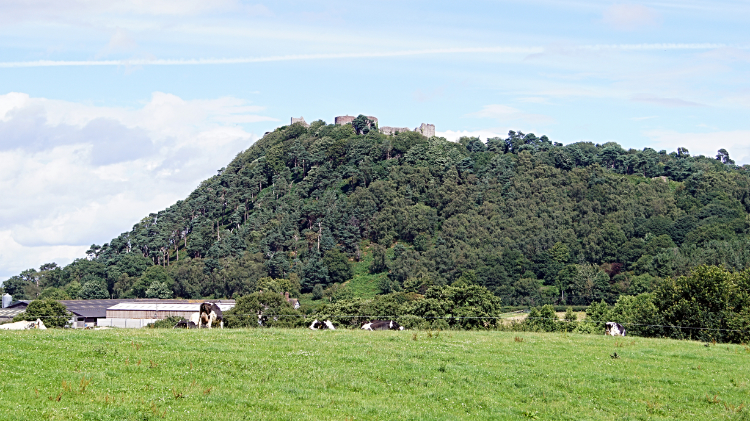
point(300, 374)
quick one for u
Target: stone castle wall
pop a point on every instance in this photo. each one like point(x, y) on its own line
point(347, 119)
point(392, 130)
point(300, 120)
point(344, 119)
point(427, 130)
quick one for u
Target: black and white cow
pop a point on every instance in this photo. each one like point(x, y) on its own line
point(185, 324)
point(382, 325)
point(209, 314)
point(614, 329)
point(319, 325)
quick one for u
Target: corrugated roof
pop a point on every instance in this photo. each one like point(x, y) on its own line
point(98, 308)
point(9, 313)
point(161, 306)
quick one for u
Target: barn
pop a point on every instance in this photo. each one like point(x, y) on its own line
point(136, 314)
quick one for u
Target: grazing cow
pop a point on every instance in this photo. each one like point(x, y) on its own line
point(382, 325)
point(317, 325)
point(614, 329)
point(186, 324)
point(209, 314)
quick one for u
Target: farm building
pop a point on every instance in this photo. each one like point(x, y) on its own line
point(87, 312)
point(7, 314)
point(136, 314)
point(11, 309)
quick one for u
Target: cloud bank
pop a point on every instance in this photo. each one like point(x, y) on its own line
point(75, 172)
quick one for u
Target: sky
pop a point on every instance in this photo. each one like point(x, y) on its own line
point(112, 110)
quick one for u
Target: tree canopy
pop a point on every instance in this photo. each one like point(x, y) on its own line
point(532, 221)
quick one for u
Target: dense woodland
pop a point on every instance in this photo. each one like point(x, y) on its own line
point(533, 221)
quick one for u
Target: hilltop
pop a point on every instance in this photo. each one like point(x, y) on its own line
point(330, 210)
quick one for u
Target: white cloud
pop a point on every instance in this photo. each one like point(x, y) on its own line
point(630, 16)
point(16, 11)
point(736, 142)
point(505, 114)
point(75, 174)
point(666, 102)
point(121, 41)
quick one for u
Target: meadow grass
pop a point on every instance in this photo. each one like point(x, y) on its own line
point(259, 374)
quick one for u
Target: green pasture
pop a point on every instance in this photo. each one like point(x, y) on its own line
point(270, 374)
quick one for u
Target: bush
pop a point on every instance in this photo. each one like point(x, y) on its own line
point(710, 298)
point(637, 314)
point(167, 323)
point(51, 312)
point(542, 319)
point(273, 309)
point(412, 322)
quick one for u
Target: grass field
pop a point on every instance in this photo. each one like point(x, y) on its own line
point(299, 374)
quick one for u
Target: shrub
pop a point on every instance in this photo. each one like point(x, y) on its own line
point(273, 309)
point(412, 322)
point(167, 323)
point(638, 314)
point(51, 312)
point(542, 319)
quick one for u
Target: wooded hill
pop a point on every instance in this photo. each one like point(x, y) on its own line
point(531, 220)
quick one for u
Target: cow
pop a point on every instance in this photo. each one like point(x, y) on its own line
point(185, 324)
point(318, 325)
point(195, 319)
point(209, 314)
point(382, 325)
point(23, 325)
point(614, 329)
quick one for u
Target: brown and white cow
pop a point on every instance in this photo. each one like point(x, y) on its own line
point(209, 314)
point(382, 325)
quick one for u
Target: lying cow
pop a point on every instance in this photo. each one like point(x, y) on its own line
point(614, 329)
point(209, 314)
point(318, 325)
point(186, 324)
point(382, 325)
point(23, 325)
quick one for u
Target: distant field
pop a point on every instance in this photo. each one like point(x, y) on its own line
point(299, 374)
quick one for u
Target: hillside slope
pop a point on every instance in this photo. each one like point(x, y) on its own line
point(532, 220)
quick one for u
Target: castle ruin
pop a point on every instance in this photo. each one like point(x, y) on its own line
point(300, 120)
point(393, 130)
point(347, 119)
point(427, 130)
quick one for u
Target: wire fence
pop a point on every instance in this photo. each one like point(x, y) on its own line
point(499, 317)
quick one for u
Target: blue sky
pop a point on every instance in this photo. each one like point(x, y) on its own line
point(112, 110)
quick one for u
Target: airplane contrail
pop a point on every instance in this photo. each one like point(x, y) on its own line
point(332, 56)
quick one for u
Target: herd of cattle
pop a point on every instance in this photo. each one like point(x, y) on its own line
point(374, 325)
point(210, 313)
